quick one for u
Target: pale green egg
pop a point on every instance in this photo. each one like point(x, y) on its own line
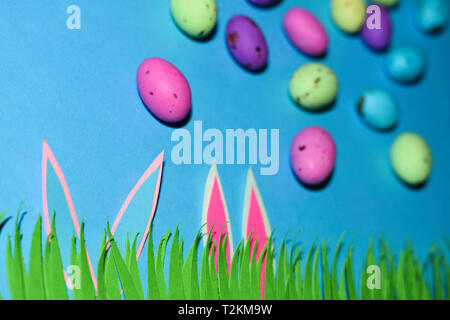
point(313, 86)
point(349, 15)
point(411, 159)
point(387, 3)
point(197, 18)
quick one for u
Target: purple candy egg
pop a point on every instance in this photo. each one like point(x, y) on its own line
point(263, 3)
point(377, 29)
point(246, 43)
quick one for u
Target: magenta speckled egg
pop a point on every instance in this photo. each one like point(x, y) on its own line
point(313, 155)
point(305, 32)
point(246, 43)
point(377, 30)
point(164, 90)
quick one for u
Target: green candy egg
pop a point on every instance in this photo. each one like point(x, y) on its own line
point(197, 18)
point(313, 86)
point(349, 15)
point(387, 3)
point(411, 158)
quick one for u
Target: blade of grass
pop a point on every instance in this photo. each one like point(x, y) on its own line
point(205, 282)
point(335, 292)
point(101, 270)
point(327, 285)
point(349, 275)
point(269, 283)
point(307, 287)
point(160, 258)
point(57, 289)
point(35, 284)
point(152, 281)
point(126, 280)
point(87, 290)
point(224, 289)
point(192, 290)
point(134, 269)
point(176, 288)
point(281, 272)
point(317, 295)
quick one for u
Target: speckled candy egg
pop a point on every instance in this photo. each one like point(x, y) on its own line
point(305, 32)
point(263, 3)
point(197, 18)
point(377, 29)
point(164, 90)
point(313, 155)
point(378, 109)
point(411, 159)
point(313, 86)
point(405, 63)
point(349, 15)
point(432, 14)
point(246, 43)
point(387, 3)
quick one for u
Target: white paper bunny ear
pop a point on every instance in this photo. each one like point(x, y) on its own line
point(53, 182)
point(255, 221)
point(215, 214)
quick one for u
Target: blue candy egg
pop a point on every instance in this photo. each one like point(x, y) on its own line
point(432, 14)
point(405, 63)
point(378, 109)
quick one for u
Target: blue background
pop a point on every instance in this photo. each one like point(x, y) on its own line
point(77, 89)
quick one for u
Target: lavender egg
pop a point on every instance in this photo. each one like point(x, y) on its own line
point(263, 3)
point(377, 29)
point(247, 43)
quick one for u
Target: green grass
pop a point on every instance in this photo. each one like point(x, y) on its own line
point(292, 274)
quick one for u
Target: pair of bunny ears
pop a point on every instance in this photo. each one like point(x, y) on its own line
point(215, 215)
point(215, 212)
point(49, 158)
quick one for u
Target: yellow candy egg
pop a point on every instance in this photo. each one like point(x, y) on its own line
point(387, 3)
point(349, 15)
point(196, 18)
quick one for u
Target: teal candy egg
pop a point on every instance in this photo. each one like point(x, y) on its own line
point(432, 14)
point(405, 63)
point(378, 109)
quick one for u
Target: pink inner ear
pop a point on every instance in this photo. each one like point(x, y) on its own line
point(255, 224)
point(216, 216)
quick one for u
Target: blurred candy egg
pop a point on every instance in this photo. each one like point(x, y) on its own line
point(313, 155)
point(305, 32)
point(432, 14)
point(246, 43)
point(378, 109)
point(313, 86)
point(349, 15)
point(197, 18)
point(405, 63)
point(263, 3)
point(411, 159)
point(387, 3)
point(164, 90)
point(377, 29)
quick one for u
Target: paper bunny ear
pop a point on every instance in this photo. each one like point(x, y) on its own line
point(215, 214)
point(255, 221)
point(52, 182)
point(139, 199)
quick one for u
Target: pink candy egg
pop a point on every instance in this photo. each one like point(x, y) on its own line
point(164, 90)
point(313, 155)
point(305, 32)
